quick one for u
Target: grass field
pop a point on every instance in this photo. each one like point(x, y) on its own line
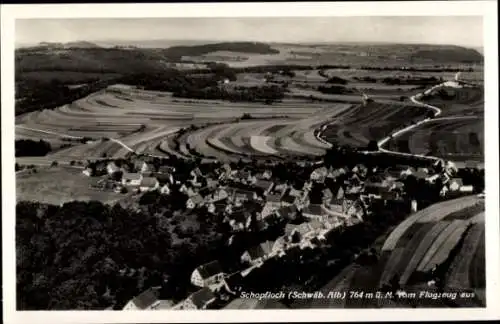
point(57, 185)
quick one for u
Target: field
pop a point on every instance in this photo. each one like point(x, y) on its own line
point(372, 121)
point(457, 134)
point(57, 185)
point(428, 240)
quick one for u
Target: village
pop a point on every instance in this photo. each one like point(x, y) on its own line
point(251, 197)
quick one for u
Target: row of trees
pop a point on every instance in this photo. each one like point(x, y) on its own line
point(27, 147)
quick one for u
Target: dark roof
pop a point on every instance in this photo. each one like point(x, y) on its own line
point(288, 211)
point(260, 250)
point(209, 269)
point(197, 199)
point(263, 184)
point(201, 297)
point(288, 199)
point(273, 198)
point(131, 176)
point(314, 209)
point(239, 216)
point(148, 182)
point(147, 298)
point(166, 169)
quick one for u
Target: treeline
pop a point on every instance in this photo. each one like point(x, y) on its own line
point(412, 81)
point(27, 147)
point(268, 94)
point(334, 89)
point(177, 52)
point(32, 95)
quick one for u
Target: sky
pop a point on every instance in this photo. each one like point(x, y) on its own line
point(458, 30)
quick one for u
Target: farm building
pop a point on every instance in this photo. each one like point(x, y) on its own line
point(131, 179)
point(201, 299)
point(207, 275)
point(149, 184)
point(258, 253)
point(147, 300)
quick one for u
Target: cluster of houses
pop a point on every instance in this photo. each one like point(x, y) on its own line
point(242, 198)
point(138, 178)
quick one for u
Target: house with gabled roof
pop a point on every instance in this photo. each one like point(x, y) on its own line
point(201, 299)
point(258, 253)
point(319, 174)
point(131, 179)
point(147, 300)
point(314, 211)
point(141, 166)
point(207, 274)
point(265, 185)
point(149, 184)
point(273, 203)
point(288, 212)
point(195, 201)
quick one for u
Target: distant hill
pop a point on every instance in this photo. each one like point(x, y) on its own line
point(79, 44)
point(177, 52)
point(450, 54)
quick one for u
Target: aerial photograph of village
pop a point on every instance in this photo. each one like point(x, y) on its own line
point(249, 163)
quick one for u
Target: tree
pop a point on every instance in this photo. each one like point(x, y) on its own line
point(373, 146)
point(54, 164)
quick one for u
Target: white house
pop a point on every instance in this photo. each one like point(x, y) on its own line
point(165, 190)
point(87, 172)
point(112, 168)
point(131, 179)
point(207, 275)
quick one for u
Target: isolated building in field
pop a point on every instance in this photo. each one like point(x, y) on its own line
point(88, 172)
point(147, 300)
point(207, 275)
